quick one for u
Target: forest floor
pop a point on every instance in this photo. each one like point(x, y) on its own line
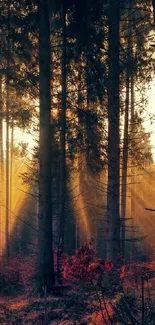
point(92, 300)
point(69, 309)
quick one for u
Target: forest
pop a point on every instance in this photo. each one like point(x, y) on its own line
point(77, 162)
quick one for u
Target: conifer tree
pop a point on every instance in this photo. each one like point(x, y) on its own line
point(46, 262)
point(113, 204)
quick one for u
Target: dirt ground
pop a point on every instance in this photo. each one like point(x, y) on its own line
point(66, 310)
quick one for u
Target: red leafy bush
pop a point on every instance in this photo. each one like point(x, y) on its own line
point(84, 265)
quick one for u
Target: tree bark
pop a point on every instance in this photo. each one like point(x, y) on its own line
point(113, 217)
point(63, 190)
point(132, 135)
point(1, 171)
point(79, 106)
point(11, 165)
point(125, 166)
point(7, 207)
point(126, 138)
point(133, 173)
point(46, 262)
point(63, 136)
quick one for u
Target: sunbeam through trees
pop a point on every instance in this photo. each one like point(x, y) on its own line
point(77, 170)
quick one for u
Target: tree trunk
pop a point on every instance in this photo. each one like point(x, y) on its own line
point(132, 135)
point(1, 216)
point(1, 172)
point(126, 139)
point(79, 106)
point(11, 166)
point(133, 180)
point(63, 136)
point(113, 218)
point(46, 262)
point(7, 208)
point(125, 165)
point(63, 188)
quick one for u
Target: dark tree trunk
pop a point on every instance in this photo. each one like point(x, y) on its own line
point(126, 138)
point(46, 262)
point(7, 194)
point(63, 136)
point(113, 217)
point(132, 135)
point(133, 173)
point(11, 164)
point(7, 208)
point(125, 166)
point(63, 189)
point(1, 170)
point(80, 106)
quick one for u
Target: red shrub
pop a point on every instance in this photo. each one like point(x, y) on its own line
point(84, 265)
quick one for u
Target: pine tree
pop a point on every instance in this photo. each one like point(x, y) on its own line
point(46, 262)
point(1, 169)
point(113, 217)
point(7, 208)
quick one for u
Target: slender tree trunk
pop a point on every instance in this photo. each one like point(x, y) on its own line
point(79, 103)
point(113, 217)
point(133, 185)
point(7, 208)
point(63, 193)
point(7, 212)
point(63, 136)
point(1, 217)
point(125, 165)
point(1, 170)
point(126, 140)
point(132, 131)
point(46, 262)
point(11, 167)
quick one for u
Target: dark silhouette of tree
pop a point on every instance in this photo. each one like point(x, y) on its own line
point(46, 263)
point(113, 216)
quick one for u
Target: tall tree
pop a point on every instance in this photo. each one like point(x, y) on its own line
point(63, 132)
point(125, 166)
point(126, 133)
point(1, 168)
point(63, 180)
point(113, 216)
point(46, 262)
point(7, 207)
point(132, 124)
